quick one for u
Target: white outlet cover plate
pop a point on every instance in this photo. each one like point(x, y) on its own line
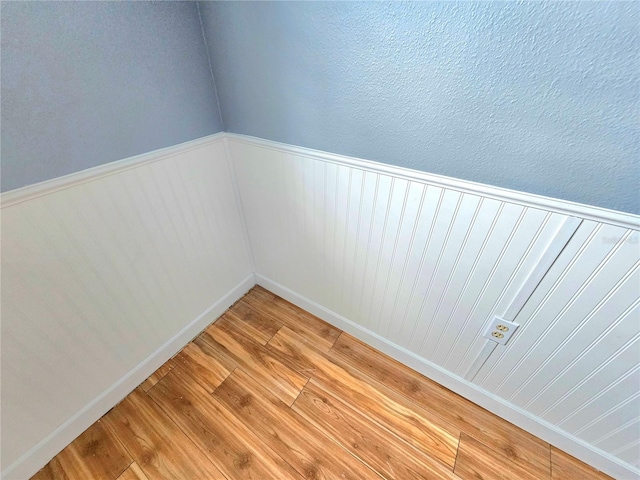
point(502, 327)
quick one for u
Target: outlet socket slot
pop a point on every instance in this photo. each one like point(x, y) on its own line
point(500, 330)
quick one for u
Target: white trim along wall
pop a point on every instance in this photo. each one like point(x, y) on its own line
point(108, 272)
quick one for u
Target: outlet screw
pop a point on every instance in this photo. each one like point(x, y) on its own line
point(503, 328)
point(497, 334)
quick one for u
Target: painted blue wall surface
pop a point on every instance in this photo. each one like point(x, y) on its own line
point(539, 97)
point(84, 83)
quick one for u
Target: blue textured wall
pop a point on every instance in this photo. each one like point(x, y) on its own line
point(84, 83)
point(540, 97)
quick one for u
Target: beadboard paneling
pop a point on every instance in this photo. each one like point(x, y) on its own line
point(99, 274)
point(421, 265)
point(425, 266)
point(576, 360)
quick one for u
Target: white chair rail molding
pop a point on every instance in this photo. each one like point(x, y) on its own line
point(108, 272)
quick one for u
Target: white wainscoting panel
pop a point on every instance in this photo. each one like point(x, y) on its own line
point(425, 265)
point(575, 361)
point(105, 276)
point(108, 272)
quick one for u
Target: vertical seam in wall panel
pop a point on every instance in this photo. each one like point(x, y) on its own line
point(487, 282)
point(213, 78)
point(557, 317)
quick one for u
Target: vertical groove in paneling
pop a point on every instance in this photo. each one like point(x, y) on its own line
point(518, 272)
point(194, 217)
point(407, 258)
point(426, 266)
point(138, 200)
point(417, 326)
point(468, 352)
point(109, 256)
point(339, 236)
point(541, 304)
point(557, 399)
point(470, 275)
point(98, 276)
point(382, 320)
point(378, 257)
point(137, 246)
point(423, 257)
point(532, 241)
point(357, 303)
point(631, 424)
point(447, 284)
point(308, 194)
point(585, 351)
point(629, 453)
point(69, 270)
point(336, 197)
point(354, 209)
point(370, 189)
point(187, 297)
point(568, 305)
point(85, 263)
point(319, 207)
point(113, 228)
point(26, 301)
point(631, 374)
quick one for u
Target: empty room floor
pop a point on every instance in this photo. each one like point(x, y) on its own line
point(270, 391)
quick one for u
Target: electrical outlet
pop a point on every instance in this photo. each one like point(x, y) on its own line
point(500, 330)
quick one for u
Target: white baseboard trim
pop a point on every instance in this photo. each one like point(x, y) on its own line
point(512, 413)
point(32, 461)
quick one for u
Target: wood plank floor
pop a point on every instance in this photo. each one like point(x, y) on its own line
point(270, 391)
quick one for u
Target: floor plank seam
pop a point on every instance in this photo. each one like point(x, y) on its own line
point(334, 342)
point(271, 338)
point(297, 396)
point(455, 462)
point(123, 471)
point(381, 387)
point(186, 434)
point(300, 406)
point(230, 373)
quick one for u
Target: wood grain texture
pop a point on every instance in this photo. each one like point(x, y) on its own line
point(95, 454)
point(134, 472)
point(157, 444)
point(307, 450)
point(208, 366)
point(261, 363)
point(378, 448)
point(566, 467)
point(218, 413)
point(421, 428)
point(424, 264)
point(309, 326)
point(258, 325)
point(157, 375)
point(520, 447)
point(475, 460)
point(225, 440)
point(99, 276)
